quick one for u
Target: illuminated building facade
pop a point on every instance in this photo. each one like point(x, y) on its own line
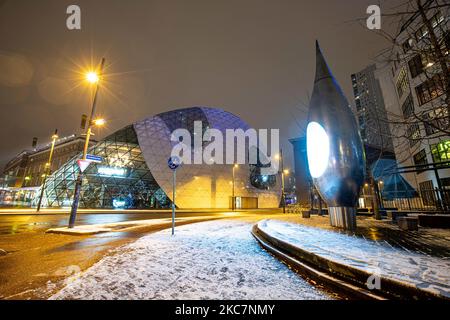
point(414, 94)
point(134, 173)
point(24, 174)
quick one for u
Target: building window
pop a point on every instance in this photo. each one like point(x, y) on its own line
point(413, 134)
point(441, 151)
point(420, 158)
point(422, 32)
point(437, 19)
point(436, 119)
point(415, 66)
point(408, 107)
point(407, 45)
point(402, 83)
point(430, 89)
point(445, 183)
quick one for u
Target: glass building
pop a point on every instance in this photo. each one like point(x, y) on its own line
point(134, 174)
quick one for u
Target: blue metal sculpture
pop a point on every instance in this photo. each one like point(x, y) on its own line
point(335, 151)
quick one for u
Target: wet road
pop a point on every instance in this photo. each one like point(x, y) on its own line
point(38, 264)
point(15, 224)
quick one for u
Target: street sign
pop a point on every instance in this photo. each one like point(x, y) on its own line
point(174, 162)
point(94, 158)
point(83, 164)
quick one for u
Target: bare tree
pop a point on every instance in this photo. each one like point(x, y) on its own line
point(419, 43)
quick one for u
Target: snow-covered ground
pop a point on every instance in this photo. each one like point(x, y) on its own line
point(208, 260)
point(423, 271)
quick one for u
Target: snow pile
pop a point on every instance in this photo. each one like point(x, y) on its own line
point(423, 271)
point(208, 260)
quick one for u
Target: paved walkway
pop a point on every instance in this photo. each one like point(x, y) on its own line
point(428, 241)
point(402, 273)
point(210, 260)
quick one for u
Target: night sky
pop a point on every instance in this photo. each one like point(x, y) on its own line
point(253, 58)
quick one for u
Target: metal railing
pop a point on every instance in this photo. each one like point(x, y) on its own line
point(428, 200)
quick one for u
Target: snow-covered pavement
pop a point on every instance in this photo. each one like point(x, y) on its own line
point(208, 260)
point(418, 270)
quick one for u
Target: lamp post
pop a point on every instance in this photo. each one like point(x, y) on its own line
point(283, 194)
point(174, 163)
point(364, 193)
point(233, 200)
point(93, 78)
point(47, 169)
point(284, 173)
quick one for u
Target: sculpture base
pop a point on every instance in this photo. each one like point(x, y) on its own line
point(343, 217)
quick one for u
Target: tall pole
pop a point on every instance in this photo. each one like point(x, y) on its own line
point(174, 192)
point(283, 195)
point(233, 200)
point(47, 170)
point(364, 194)
point(376, 199)
point(441, 199)
point(79, 181)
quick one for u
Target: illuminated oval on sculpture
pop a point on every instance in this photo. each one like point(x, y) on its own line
point(335, 152)
point(318, 146)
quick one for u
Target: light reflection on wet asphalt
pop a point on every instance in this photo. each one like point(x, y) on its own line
point(15, 224)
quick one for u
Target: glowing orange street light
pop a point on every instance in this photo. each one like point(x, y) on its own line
point(99, 122)
point(92, 77)
point(47, 169)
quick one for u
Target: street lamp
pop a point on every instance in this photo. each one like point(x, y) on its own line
point(47, 169)
point(99, 122)
point(283, 172)
point(92, 78)
point(233, 200)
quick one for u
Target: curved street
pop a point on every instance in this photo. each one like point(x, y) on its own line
point(38, 265)
point(207, 260)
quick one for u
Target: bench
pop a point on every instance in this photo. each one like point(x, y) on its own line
point(408, 223)
point(394, 215)
point(306, 214)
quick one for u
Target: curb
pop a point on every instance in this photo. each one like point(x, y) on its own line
point(342, 277)
point(77, 232)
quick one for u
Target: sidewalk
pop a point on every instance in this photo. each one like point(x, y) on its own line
point(406, 265)
point(428, 241)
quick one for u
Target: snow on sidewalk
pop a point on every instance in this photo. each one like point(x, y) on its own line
point(208, 260)
point(424, 272)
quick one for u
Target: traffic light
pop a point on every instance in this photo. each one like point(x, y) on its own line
point(83, 121)
point(34, 143)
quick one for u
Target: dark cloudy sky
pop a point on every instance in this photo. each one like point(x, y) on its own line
point(253, 58)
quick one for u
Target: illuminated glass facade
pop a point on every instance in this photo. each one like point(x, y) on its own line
point(133, 173)
point(121, 180)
